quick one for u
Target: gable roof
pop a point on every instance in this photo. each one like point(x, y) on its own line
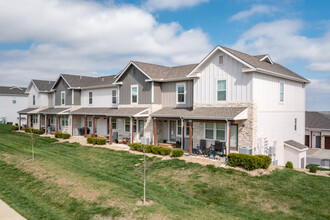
point(43, 85)
point(317, 120)
point(294, 144)
point(255, 64)
point(158, 72)
point(77, 81)
point(12, 90)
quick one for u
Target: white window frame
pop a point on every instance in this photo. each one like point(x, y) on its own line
point(178, 122)
point(34, 100)
point(125, 125)
point(295, 124)
point(14, 101)
point(90, 98)
point(113, 96)
point(214, 132)
point(216, 87)
point(63, 92)
point(137, 94)
point(281, 101)
point(90, 122)
point(223, 59)
point(114, 122)
point(184, 93)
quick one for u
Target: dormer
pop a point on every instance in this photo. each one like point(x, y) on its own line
point(265, 58)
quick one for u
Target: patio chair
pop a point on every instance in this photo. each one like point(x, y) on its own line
point(178, 143)
point(201, 148)
point(219, 148)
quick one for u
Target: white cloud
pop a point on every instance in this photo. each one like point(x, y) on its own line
point(318, 95)
point(254, 10)
point(82, 37)
point(282, 40)
point(153, 5)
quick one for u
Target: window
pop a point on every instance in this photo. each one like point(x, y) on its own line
point(14, 100)
point(114, 96)
point(51, 120)
point(127, 125)
point(220, 131)
point(35, 119)
point(295, 124)
point(209, 130)
point(179, 127)
point(187, 128)
point(181, 93)
point(134, 126)
point(134, 94)
point(65, 121)
point(281, 92)
point(141, 125)
point(34, 100)
point(63, 98)
point(221, 89)
point(90, 122)
point(221, 59)
point(90, 98)
point(114, 124)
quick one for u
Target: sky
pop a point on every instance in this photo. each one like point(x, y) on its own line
point(40, 39)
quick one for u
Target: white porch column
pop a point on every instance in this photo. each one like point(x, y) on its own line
point(228, 138)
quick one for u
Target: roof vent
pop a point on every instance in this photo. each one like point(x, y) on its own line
point(48, 82)
point(102, 79)
point(80, 77)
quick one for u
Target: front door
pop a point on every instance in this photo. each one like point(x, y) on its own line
point(327, 142)
point(234, 137)
point(172, 131)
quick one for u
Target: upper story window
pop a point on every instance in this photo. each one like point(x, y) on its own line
point(281, 92)
point(220, 59)
point(14, 100)
point(134, 94)
point(295, 124)
point(221, 90)
point(33, 100)
point(63, 98)
point(114, 96)
point(181, 93)
point(90, 98)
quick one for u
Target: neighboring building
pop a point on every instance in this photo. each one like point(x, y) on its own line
point(249, 103)
point(12, 99)
point(317, 127)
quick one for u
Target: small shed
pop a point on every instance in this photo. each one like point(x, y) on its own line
point(296, 153)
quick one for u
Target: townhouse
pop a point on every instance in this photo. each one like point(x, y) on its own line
point(12, 99)
point(317, 132)
point(248, 103)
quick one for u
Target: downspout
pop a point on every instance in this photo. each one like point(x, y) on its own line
point(227, 147)
point(182, 130)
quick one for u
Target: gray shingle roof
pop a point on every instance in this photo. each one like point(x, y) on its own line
point(296, 144)
point(88, 81)
point(121, 112)
point(255, 62)
point(158, 72)
point(43, 85)
point(52, 110)
point(12, 90)
point(200, 112)
point(317, 120)
point(27, 110)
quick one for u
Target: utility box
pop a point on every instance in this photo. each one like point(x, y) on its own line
point(145, 140)
point(245, 150)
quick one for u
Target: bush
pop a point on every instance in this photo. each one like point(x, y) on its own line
point(58, 134)
point(177, 153)
point(98, 141)
point(151, 149)
point(90, 140)
point(16, 124)
point(27, 130)
point(9, 123)
point(249, 162)
point(312, 169)
point(14, 128)
point(101, 141)
point(165, 151)
point(155, 149)
point(289, 165)
point(37, 131)
point(66, 136)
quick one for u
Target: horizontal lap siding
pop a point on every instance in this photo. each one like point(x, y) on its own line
point(62, 86)
point(239, 85)
point(134, 76)
point(101, 97)
point(169, 94)
point(157, 93)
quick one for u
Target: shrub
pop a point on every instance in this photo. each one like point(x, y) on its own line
point(14, 128)
point(90, 140)
point(289, 165)
point(16, 124)
point(165, 151)
point(37, 131)
point(177, 153)
point(66, 136)
point(249, 162)
point(58, 134)
point(151, 149)
point(155, 149)
point(27, 130)
point(101, 141)
point(312, 169)
point(9, 123)
point(98, 141)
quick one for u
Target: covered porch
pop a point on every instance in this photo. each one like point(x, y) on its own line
point(124, 125)
point(31, 118)
point(193, 128)
point(54, 119)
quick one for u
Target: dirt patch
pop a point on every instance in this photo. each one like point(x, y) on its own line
point(148, 203)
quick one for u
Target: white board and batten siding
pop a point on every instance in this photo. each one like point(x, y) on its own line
point(276, 120)
point(42, 100)
point(238, 84)
point(101, 97)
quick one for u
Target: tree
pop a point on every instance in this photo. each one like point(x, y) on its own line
point(32, 141)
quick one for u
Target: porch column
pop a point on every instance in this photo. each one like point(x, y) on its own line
point(56, 129)
point(228, 138)
point(39, 117)
point(155, 131)
point(72, 124)
point(93, 126)
point(46, 124)
point(110, 130)
point(85, 126)
point(132, 130)
point(190, 137)
point(27, 120)
point(182, 134)
point(19, 121)
point(311, 140)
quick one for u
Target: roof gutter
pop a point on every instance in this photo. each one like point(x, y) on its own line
point(169, 80)
point(96, 87)
point(193, 117)
point(260, 70)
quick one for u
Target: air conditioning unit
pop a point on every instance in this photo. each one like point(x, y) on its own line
point(271, 150)
point(145, 140)
point(245, 150)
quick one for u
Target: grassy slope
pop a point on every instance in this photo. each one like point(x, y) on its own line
point(69, 181)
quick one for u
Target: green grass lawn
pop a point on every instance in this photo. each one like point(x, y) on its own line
point(70, 181)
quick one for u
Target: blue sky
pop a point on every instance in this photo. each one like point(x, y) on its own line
point(41, 39)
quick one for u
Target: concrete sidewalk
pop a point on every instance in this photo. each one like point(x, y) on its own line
point(7, 213)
